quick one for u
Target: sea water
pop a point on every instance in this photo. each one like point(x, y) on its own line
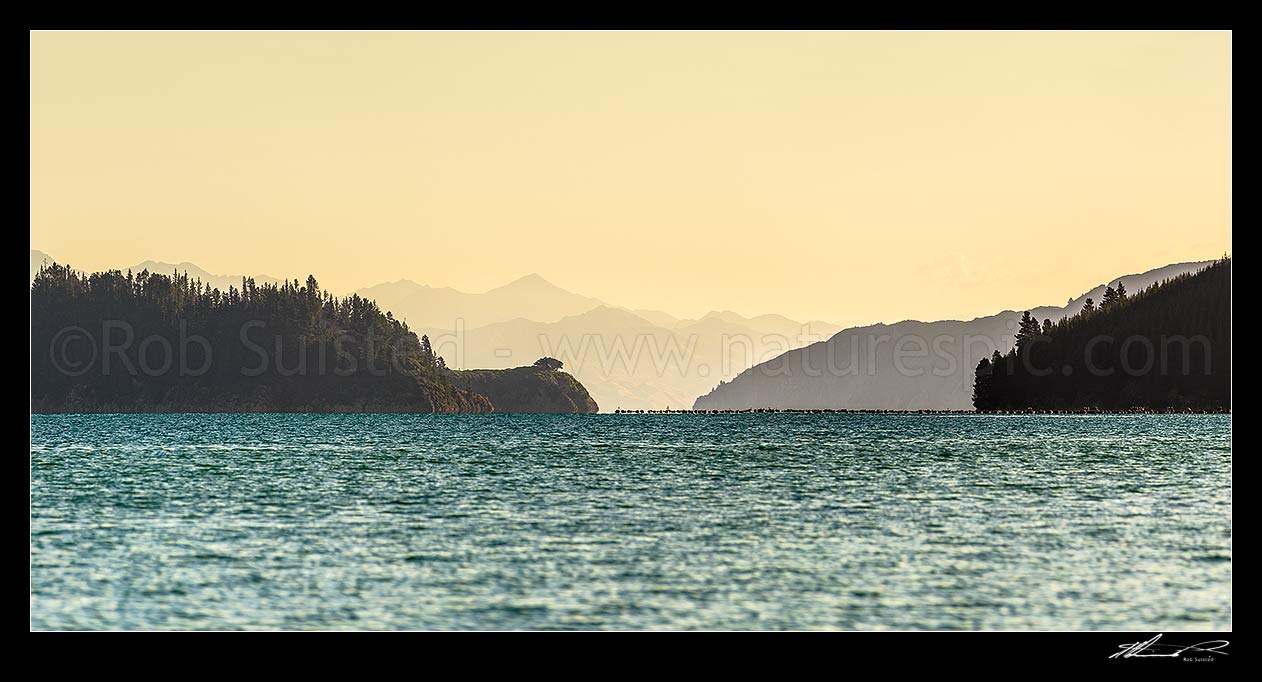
point(744, 521)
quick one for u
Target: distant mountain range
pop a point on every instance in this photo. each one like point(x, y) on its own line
point(649, 359)
point(533, 298)
point(628, 359)
point(528, 298)
point(910, 365)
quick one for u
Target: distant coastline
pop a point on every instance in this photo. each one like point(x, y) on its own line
point(1164, 346)
point(143, 342)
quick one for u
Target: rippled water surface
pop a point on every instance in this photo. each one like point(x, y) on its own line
point(630, 522)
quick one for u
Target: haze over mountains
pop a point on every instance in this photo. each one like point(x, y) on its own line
point(425, 307)
point(910, 365)
point(649, 359)
point(628, 359)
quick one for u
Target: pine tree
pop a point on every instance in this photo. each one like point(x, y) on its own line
point(1088, 307)
point(1027, 331)
point(427, 351)
point(1110, 297)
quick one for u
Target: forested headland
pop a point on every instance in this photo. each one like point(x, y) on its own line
point(1166, 348)
point(148, 342)
point(537, 388)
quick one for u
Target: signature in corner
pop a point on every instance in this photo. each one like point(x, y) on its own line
point(1152, 649)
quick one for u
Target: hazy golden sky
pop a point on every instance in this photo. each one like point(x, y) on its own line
point(852, 177)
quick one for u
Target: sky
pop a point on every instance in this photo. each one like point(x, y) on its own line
point(853, 177)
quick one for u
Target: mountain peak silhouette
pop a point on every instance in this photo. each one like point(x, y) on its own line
point(532, 281)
